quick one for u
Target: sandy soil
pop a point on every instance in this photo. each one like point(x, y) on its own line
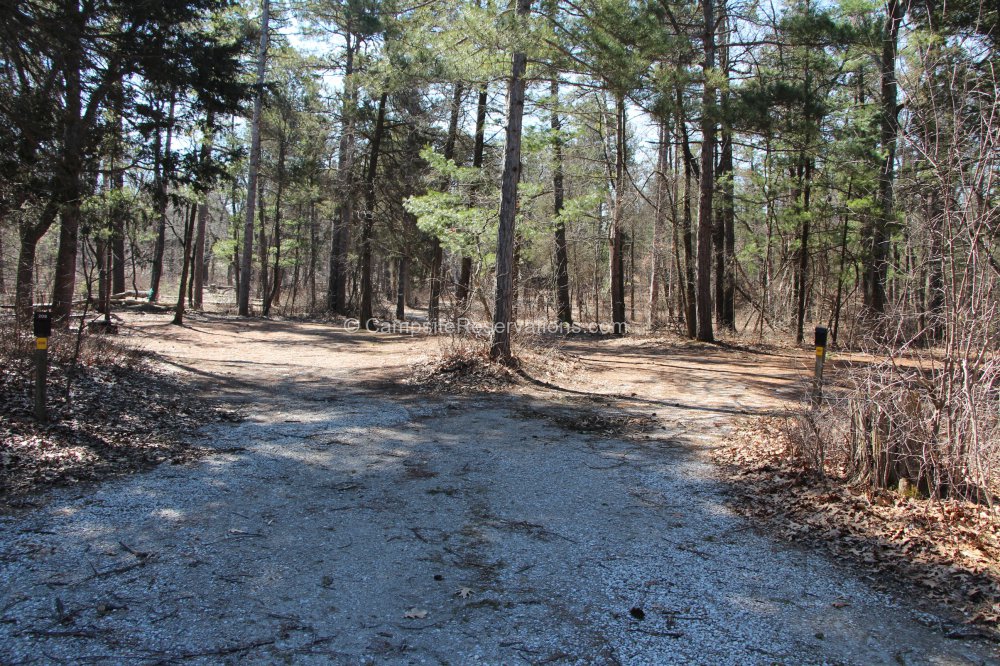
point(352, 520)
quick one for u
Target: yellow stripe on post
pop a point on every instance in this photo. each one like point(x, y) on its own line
point(821, 339)
point(41, 343)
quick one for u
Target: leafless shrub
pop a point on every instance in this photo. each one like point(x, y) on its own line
point(462, 364)
point(924, 425)
point(805, 437)
point(923, 414)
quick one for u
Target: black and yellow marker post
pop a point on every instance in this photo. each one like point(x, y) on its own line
point(821, 336)
point(43, 330)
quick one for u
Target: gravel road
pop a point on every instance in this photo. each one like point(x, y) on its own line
point(343, 524)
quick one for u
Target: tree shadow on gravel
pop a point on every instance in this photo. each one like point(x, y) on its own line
point(444, 528)
point(352, 519)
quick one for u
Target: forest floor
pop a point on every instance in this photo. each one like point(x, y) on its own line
point(356, 516)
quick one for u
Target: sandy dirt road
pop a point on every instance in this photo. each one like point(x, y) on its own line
point(351, 520)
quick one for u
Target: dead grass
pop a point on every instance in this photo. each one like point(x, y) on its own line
point(945, 551)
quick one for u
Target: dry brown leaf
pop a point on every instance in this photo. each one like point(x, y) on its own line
point(949, 549)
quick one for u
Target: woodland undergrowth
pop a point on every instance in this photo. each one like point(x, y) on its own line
point(110, 412)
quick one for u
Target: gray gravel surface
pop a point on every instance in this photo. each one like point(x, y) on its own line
point(342, 526)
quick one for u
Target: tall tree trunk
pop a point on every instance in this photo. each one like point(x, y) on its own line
point(690, 301)
point(681, 293)
point(200, 267)
point(403, 276)
point(102, 250)
point(197, 294)
point(275, 286)
point(313, 255)
point(437, 254)
point(841, 266)
point(277, 273)
point(118, 184)
point(163, 172)
point(464, 284)
point(465, 278)
point(802, 277)
point(704, 332)
point(186, 266)
point(3, 265)
point(263, 249)
point(727, 305)
point(246, 260)
point(718, 248)
point(402, 268)
point(660, 215)
point(723, 174)
point(368, 228)
point(727, 310)
point(69, 187)
point(500, 349)
point(69, 228)
point(564, 309)
point(618, 222)
point(296, 270)
point(877, 235)
point(336, 298)
point(630, 238)
point(676, 219)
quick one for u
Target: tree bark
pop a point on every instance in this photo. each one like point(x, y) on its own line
point(262, 244)
point(564, 309)
point(163, 171)
point(726, 252)
point(617, 223)
point(704, 332)
point(368, 228)
point(336, 298)
point(246, 260)
point(660, 214)
point(102, 252)
point(3, 266)
point(197, 294)
point(313, 255)
point(500, 349)
point(727, 300)
point(271, 296)
point(689, 297)
point(802, 277)
point(841, 264)
point(465, 277)
point(118, 184)
point(402, 268)
point(877, 233)
point(437, 254)
point(69, 187)
point(186, 266)
point(29, 237)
